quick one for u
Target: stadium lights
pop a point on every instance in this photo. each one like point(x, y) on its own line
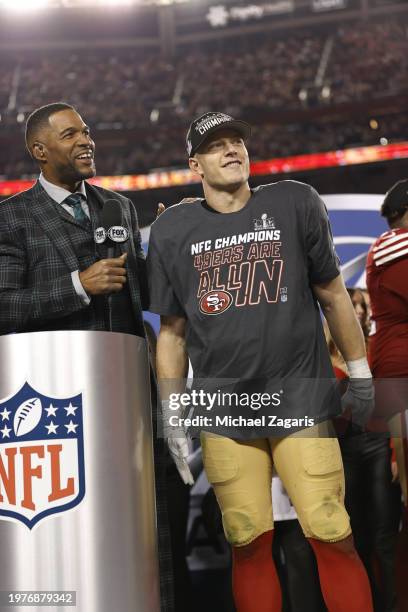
point(24, 5)
point(21, 6)
point(32, 5)
point(114, 2)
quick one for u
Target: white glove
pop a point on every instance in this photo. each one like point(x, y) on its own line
point(179, 452)
point(177, 443)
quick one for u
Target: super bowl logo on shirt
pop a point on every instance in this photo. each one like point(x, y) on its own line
point(41, 456)
point(264, 222)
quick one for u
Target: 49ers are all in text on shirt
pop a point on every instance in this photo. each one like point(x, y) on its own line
point(243, 282)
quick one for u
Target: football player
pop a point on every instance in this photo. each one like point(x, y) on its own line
point(237, 278)
point(387, 283)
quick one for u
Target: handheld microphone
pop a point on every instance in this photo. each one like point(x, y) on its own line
point(111, 230)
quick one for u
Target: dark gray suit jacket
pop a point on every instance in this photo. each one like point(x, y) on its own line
point(37, 258)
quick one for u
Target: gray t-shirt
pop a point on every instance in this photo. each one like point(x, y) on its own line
point(243, 282)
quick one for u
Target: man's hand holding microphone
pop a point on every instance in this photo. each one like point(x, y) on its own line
point(108, 275)
point(104, 276)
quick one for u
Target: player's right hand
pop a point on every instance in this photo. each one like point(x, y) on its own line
point(104, 276)
point(177, 442)
point(179, 452)
point(160, 209)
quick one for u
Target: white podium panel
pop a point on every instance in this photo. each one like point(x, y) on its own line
point(77, 506)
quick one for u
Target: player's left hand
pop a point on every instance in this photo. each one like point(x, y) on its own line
point(359, 399)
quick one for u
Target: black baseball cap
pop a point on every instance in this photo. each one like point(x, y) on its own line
point(207, 124)
point(396, 200)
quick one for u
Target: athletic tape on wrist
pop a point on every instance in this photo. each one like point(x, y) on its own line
point(358, 368)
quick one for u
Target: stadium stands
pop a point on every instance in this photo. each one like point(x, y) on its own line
point(296, 88)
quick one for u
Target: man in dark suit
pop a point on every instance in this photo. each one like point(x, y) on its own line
point(54, 276)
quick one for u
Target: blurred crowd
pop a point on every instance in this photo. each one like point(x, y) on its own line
point(149, 100)
point(369, 60)
point(165, 147)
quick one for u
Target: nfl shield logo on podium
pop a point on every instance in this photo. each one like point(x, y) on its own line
point(41, 456)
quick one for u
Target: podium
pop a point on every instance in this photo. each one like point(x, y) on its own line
point(77, 498)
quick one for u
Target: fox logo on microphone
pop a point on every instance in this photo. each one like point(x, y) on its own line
point(41, 456)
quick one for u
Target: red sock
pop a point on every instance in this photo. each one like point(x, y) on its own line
point(343, 579)
point(255, 582)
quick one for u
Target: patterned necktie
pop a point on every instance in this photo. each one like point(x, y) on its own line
point(74, 200)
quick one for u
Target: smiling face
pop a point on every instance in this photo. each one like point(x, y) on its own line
point(65, 149)
point(222, 161)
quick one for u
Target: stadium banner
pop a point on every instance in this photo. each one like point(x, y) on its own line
point(221, 15)
point(319, 6)
point(281, 165)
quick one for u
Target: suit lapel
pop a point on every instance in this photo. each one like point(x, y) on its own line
point(45, 212)
point(64, 214)
point(95, 205)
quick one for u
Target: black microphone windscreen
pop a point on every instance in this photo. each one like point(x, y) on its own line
point(111, 214)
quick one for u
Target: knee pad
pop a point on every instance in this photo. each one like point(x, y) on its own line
point(328, 521)
point(241, 517)
point(325, 517)
point(241, 525)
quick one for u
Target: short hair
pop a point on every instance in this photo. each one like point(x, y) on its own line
point(39, 119)
point(395, 202)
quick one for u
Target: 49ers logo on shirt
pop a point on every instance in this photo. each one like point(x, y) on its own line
point(215, 302)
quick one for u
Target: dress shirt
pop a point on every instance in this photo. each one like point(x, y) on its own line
point(59, 194)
